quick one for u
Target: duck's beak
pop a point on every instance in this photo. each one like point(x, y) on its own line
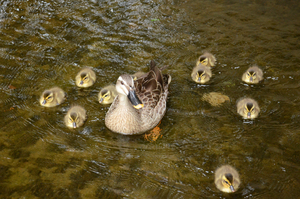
point(44, 102)
point(135, 101)
point(81, 82)
point(231, 188)
point(199, 79)
point(101, 100)
point(251, 79)
point(249, 115)
point(74, 125)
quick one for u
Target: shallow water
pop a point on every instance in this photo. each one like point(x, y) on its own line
point(45, 43)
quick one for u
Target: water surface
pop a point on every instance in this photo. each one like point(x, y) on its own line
point(45, 43)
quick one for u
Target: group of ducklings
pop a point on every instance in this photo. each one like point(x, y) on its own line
point(247, 107)
point(226, 177)
point(76, 115)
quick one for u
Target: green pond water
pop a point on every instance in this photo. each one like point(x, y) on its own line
point(45, 44)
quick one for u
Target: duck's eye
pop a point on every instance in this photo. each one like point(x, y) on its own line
point(50, 97)
point(122, 82)
point(106, 95)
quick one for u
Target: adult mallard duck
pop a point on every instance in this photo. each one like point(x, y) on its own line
point(201, 74)
point(207, 59)
point(52, 97)
point(75, 117)
point(140, 104)
point(85, 78)
point(227, 179)
point(107, 94)
point(248, 108)
point(253, 75)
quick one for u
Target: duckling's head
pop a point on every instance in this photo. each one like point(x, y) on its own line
point(84, 79)
point(105, 96)
point(201, 76)
point(125, 86)
point(47, 97)
point(74, 119)
point(249, 109)
point(203, 60)
point(227, 181)
point(251, 75)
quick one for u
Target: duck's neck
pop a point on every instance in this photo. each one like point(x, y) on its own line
point(124, 101)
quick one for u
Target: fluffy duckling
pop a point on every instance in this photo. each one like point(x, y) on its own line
point(253, 75)
point(52, 97)
point(137, 75)
point(107, 94)
point(227, 179)
point(75, 117)
point(201, 74)
point(85, 78)
point(207, 59)
point(248, 108)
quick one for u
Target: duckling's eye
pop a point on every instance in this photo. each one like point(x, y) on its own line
point(122, 82)
point(49, 97)
point(106, 95)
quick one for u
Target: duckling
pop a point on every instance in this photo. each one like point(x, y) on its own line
point(52, 97)
point(207, 59)
point(227, 179)
point(85, 78)
point(253, 75)
point(107, 94)
point(75, 117)
point(137, 75)
point(248, 108)
point(201, 74)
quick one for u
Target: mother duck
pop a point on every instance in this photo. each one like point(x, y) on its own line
point(140, 104)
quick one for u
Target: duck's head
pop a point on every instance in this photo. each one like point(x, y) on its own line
point(84, 79)
point(227, 181)
point(251, 75)
point(73, 119)
point(125, 86)
point(105, 96)
point(203, 60)
point(249, 110)
point(47, 97)
point(201, 76)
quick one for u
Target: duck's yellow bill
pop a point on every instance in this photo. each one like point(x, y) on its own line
point(138, 106)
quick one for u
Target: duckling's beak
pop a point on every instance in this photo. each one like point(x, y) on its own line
point(81, 82)
point(135, 101)
point(74, 125)
point(249, 115)
point(199, 79)
point(44, 102)
point(231, 188)
point(101, 100)
point(251, 79)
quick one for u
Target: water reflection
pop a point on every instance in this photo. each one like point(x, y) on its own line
point(45, 44)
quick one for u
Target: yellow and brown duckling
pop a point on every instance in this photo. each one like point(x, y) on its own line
point(75, 117)
point(52, 97)
point(248, 108)
point(201, 74)
point(227, 179)
point(253, 75)
point(207, 59)
point(137, 75)
point(107, 94)
point(85, 78)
